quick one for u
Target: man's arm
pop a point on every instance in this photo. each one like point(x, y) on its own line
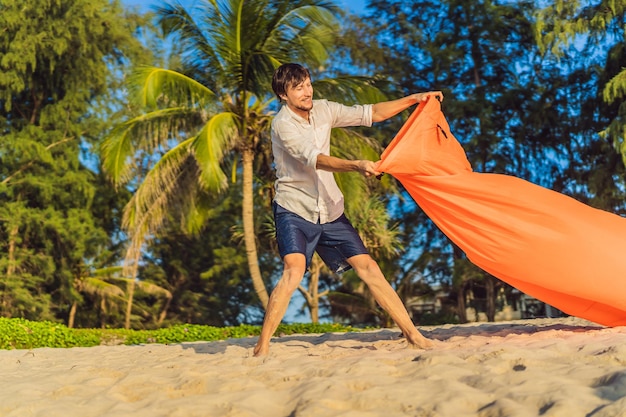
point(333, 164)
point(386, 109)
point(380, 111)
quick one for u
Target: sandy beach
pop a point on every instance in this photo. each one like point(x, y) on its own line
point(545, 367)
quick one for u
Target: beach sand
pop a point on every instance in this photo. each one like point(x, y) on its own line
point(544, 367)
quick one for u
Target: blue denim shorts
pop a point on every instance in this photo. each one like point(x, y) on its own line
point(334, 242)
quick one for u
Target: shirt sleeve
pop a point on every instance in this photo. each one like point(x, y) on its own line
point(344, 116)
point(291, 140)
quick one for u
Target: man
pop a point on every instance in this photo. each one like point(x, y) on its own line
point(308, 206)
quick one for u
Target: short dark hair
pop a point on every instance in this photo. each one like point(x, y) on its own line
point(287, 76)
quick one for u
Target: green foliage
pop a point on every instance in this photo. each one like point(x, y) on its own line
point(209, 98)
point(303, 328)
point(207, 272)
point(553, 118)
point(204, 115)
point(211, 114)
point(516, 110)
point(594, 30)
point(57, 61)
point(25, 334)
point(562, 22)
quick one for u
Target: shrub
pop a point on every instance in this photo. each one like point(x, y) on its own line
point(25, 334)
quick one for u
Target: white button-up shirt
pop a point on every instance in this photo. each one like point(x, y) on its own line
point(301, 188)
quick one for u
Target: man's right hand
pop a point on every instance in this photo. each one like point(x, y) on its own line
point(368, 168)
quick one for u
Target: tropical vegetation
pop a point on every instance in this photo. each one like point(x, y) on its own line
point(136, 170)
point(25, 334)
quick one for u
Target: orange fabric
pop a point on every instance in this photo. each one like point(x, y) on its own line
point(544, 243)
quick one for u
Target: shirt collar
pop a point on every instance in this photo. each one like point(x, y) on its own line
point(299, 118)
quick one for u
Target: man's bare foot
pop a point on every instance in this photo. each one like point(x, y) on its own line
point(260, 350)
point(417, 341)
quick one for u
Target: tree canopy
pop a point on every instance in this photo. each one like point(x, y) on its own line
point(532, 89)
point(56, 80)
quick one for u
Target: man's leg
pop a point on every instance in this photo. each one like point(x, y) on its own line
point(368, 270)
point(294, 268)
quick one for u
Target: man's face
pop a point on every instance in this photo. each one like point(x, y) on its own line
point(299, 98)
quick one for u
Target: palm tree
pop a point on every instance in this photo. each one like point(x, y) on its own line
point(202, 120)
point(106, 285)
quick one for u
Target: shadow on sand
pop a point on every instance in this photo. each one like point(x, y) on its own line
point(441, 333)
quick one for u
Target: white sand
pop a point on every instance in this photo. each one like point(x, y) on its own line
point(548, 367)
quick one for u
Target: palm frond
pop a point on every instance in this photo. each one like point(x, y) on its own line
point(146, 210)
point(209, 146)
point(100, 288)
point(350, 144)
point(200, 209)
point(189, 169)
point(175, 20)
point(149, 132)
point(153, 289)
point(318, 36)
point(353, 187)
point(115, 152)
point(349, 89)
point(106, 272)
point(371, 219)
point(151, 86)
point(304, 32)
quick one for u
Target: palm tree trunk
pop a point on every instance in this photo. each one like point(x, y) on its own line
point(164, 311)
point(4, 304)
point(312, 295)
point(129, 303)
point(103, 312)
point(248, 228)
point(72, 317)
point(460, 303)
point(131, 270)
point(12, 243)
point(490, 285)
point(314, 304)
